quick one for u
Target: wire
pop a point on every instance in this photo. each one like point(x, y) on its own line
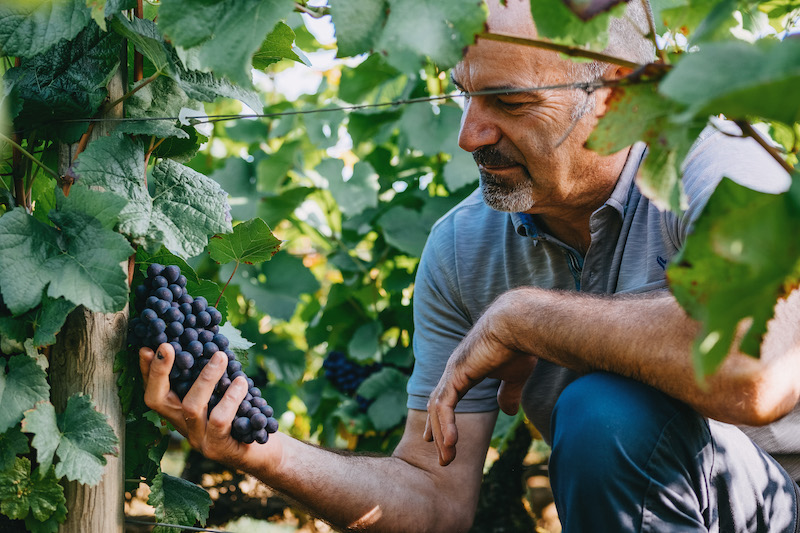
point(588, 87)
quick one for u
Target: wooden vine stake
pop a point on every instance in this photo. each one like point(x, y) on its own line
point(82, 361)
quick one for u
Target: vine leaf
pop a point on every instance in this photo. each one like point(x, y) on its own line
point(555, 21)
point(20, 389)
point(39, 494)
point(731, 269)
point(431, 132)
point(28, 29)
point(365, 342)
point(358, 25)
point(251, 242)
point(407, 229)
point(358, 193)
point(144, 448)
point(162, 97)
point(279, 44)
point(66, 82)
point(49, 319)
point(416, 29)
point(637, 112)
point(12, 443)
point(237, 342)
point(387, 390)
point(225, 34)
point(80, 437)
point(177, 501)
point(749, 79)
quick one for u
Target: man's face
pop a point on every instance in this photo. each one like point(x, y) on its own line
point(529, 146)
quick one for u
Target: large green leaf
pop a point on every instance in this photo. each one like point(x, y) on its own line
point(66, 82)
point(749, 80)
point(407, 229)
point(12, 443)
point(416, 29)
point(431, 132)
point(20, 389)
point(38, 494)
point(365, 342)
point(49, 318)
point(735, 265)
point(80, 437)
point(29, 28)
point(251, 242)
point(147, 38)
point(177, 501)
point(358, 193)
point(373, 81)
point(358, 24)
point(163, 97)
point(226, 33)
point(279, 44)
point(387, 390)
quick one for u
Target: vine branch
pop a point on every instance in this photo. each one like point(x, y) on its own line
point(571, 51)
point(226, 285)
point(30, 156)
point(115, 103)
point(662, 58)
point(749, 131)
point(316, 12)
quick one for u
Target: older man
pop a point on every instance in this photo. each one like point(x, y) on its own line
point(498, 288)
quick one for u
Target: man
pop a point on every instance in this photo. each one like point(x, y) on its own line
point(626, 457)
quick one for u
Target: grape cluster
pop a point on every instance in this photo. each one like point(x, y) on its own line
point(346, 376)
point(168, 314)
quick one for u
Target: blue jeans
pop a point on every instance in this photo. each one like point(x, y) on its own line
point(628, 458)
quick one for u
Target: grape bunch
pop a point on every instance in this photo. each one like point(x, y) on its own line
point(168, 314)
point(346, 376)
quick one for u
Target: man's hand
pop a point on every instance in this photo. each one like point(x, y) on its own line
point(209, 434)
point(486, 351)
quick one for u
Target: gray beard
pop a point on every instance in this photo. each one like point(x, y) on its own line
point(501, 197)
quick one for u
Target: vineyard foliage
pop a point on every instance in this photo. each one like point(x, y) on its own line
point(305, 225)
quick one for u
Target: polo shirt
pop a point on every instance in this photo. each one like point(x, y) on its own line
point(474, 253)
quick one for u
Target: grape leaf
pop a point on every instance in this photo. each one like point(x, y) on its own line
point(162, 97)
point(365, 342)
point(407, 229)
point(731, 269)
point(103, 206)
point(226, 33)
point(749, 79)
point(80, 437)
point(38, 494)
point(144, 448)
point(274, 209)
point(49, 318)
point(251, 242)
point(373, 81)
point(555, 21)
point(416, 29)
point(387, 390)
point(460, 171)
point(31, 28)
point(272, 170)
point(282, 358)
point(147, 38)
point(66, 82)
point(358, 193)
point(165, 257)
point(234, 336)
point(20, 388)
point(12, 443)
point(177, 501)
point(358, 25)
point(430, 132)
point(279, 44)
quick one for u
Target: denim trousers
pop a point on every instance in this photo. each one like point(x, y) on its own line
point(628, 458)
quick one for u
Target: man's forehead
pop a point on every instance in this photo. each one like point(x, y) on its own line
point(512, 17)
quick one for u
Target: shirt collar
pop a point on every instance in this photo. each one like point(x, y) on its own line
point(525, 224)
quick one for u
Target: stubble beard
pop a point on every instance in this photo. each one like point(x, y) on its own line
point(500, 196)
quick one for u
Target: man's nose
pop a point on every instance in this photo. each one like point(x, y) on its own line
point(477, 126)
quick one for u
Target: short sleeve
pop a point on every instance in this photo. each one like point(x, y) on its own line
point(440, 323)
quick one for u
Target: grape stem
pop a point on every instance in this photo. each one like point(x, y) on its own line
point(226, 285)
point(749, 131)
point(30, 156)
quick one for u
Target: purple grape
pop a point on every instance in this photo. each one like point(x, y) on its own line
point(184, 360)
point(203, 319)
point(171, 272)
point(181, 281)
point(205, 336)
point(141, 291)
point(157, 326)
point(173, 314)
point(242, 425)
point(158, 282)
point(176, 291)
point(199, 304)
point(190, 321)
point(175, 373)
point(154, 269)
point(258, 420)
point(151, 302)
point(181, 388)
point(256, 392)
point(164, 293)
point(221, 341)
point(261, 436)
point(210, 349)
point(195, 348)
point(185, 299)
point(243, 408)
point(248, 438)
point(185, 308)
point(216, 316)
point(157, 340)
point(175, 329)
point(267, 411)
point(234, 366)
point(258, 401)
point(214, 329)
point(252, 412)
point(272, 425)
point(188, 336)
point(161, 307)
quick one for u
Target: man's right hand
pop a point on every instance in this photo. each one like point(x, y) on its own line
point(208, 433)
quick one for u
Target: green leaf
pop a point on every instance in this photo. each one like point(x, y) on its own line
point(358, 193)
point(162, 97)
point(104, 206)
point(358, 24)
point(49, 319)
point(272, 170)
point(373, 81)
point(38, 494)
point(555, 21)
point(416, 29)
point(20, 389)
point(165, 257)
point(749, 80)
point(31, 27)
point(407, 229)
point(431, 132)
point(387, 390)
point(187, 208)
point(274, 209)
point(278, 45)
point(177, 501)
point(210, 291)
point(460, 171)
point(12, 443)
point(251, 242)
point(144, 448)
point(283, 359)
point(365, 342)
point(235, 339)
point(731, 268)
point(226, 33)
point(80, 437)
point(206, 87)
point(146, 38)
point(66, 82)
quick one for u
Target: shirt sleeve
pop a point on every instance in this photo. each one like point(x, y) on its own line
point(440, 323)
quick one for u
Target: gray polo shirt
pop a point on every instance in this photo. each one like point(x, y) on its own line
point(474, 254)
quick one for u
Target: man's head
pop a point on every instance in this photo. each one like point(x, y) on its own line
point(529, 145)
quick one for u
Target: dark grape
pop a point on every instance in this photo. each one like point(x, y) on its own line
point(250, 383)
point(151, 302)
point(174, 314)
point(210, 349)
point(268, 411)
point(140, 330)
point(174, 329)
point(184, 360)
point(164, 294)
point(237, 374)
point(258, 420)
point(157, 340)
point(205, 336)
point(174, 373)
point(185, 309)
point(242, 425)
point(221, 341)
point(185, 299)
point(176, 291)
point(203, 319)
point(261, 436)
point(199, 304)
point(346, 376)
point(176, 347)
point(214, 329)
point(157, 326)
point(181, 281)
point(181, 388)
point(258, 401)
point(158, 282)
point(154, 270)
point(248, 438)
point(171, 272)
point(216, 316)
point(195, 348)
point(272, 425)
point(243, 408)
point(234, 366)
point(190, 321)
point(141, 291)
point(161, 307)
point(188, 336)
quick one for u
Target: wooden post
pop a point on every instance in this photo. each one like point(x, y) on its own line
point(82, 360)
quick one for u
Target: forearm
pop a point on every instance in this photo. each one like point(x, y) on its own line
point(370, 493)
point(650, 339)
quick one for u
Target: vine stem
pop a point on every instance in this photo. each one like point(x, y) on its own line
point(662, 58)
point(138, 59)
point(749, 131)
point(84, 141)
point(316, 13)
point(16, 171)
point(567, 50)
point(130, 93)
point(226, 284)
point(30, 156)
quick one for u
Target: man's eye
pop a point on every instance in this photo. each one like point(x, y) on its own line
point(509, 105)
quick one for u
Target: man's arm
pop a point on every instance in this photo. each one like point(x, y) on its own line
point(406, 492)
point(645, 338)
